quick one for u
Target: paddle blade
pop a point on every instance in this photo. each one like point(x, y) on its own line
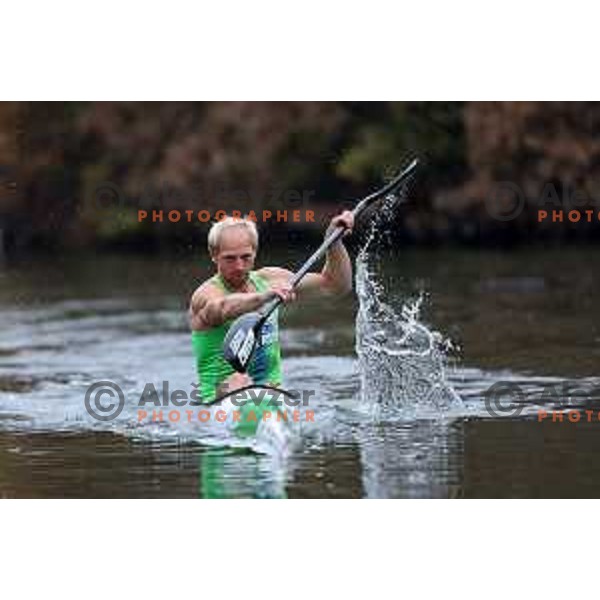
point(240, 341)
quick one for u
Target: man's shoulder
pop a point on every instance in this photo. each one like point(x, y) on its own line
point(207, 289)
point(274, 273)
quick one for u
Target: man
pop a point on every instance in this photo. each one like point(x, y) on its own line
point(237, 288)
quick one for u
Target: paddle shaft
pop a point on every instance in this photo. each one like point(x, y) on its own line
point(335, 235)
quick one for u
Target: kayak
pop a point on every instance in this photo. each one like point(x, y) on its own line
point(257, 414)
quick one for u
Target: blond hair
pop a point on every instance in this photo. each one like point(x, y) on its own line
point(217, 229)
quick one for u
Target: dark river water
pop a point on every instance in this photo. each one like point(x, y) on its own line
point(529, 318)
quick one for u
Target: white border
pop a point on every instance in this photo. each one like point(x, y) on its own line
point(268, 50)
point(376, 549)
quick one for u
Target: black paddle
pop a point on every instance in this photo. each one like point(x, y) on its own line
point(240, 341)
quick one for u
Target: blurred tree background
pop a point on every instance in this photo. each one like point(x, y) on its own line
point(73, 174)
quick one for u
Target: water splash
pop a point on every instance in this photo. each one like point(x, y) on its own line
point(402, 362)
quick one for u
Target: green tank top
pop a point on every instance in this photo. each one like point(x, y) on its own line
point(212, 369)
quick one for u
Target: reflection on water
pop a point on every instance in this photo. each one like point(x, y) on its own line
point(240, 473)
point(428, 466)
point(530, 317)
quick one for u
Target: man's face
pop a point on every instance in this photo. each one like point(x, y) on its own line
point(235, 256)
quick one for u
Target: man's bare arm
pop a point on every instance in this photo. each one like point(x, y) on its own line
point(335, 279)
point(337, 272)
point(210, 307)
point(336, 276)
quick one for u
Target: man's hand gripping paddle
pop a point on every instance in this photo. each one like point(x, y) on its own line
point(240, 341)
